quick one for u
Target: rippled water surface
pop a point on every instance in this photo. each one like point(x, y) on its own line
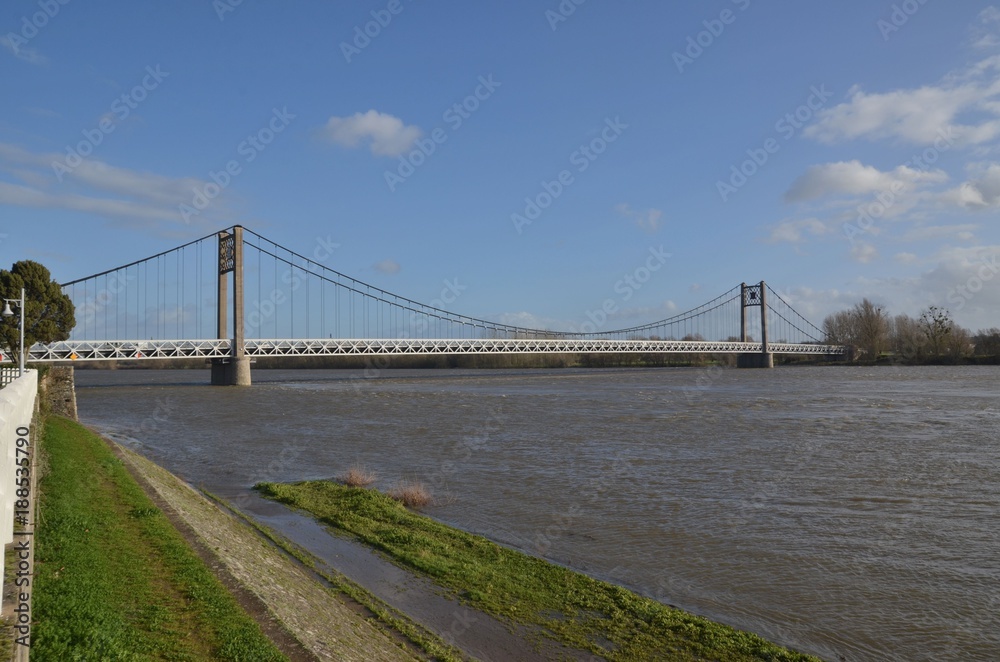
point(846, 512)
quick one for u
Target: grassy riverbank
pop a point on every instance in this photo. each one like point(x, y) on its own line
point(114, 579)
point(567, 606)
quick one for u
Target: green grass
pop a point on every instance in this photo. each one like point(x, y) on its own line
point(571, 608)
point(114, 579)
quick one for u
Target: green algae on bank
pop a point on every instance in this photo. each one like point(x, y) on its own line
point(569, 607)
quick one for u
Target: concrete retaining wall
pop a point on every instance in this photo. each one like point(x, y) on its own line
point(17, 406)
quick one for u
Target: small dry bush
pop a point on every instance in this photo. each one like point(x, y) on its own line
point(358, 477)
point(412, 495)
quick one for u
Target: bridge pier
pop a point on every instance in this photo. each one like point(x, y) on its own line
point(234, 370)
point(755, 296)
point(755, 361)
point(231, 372)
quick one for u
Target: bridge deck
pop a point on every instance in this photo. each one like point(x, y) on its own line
point(118, 350)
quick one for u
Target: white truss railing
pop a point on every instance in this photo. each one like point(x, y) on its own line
point(122, 350)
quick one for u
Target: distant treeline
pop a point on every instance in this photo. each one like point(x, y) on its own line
point(931, 339)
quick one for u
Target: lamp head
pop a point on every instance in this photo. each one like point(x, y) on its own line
point(7, 312)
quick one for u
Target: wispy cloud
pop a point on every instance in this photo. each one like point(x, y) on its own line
point(390, 267)
point(647, 220)
point(863, 252)
point(29, 55)
point(795, 231)
point(963, 232)
point(94, 187)
point(985, 32)
point(387, 135)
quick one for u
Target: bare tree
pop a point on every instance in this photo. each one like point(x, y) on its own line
point(937, 325)
point(872, 323)
point(840, 329)
point(908, 340)
point(987, 342)
point(960, 343)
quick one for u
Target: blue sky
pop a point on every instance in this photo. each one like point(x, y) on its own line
point(836, 150)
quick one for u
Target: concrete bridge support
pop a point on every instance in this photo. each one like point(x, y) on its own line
point(755, 361)
point(234, 370)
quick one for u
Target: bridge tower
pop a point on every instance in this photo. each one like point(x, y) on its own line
point(235, 369)
point(755, 296)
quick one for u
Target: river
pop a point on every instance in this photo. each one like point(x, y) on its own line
point(848, 512)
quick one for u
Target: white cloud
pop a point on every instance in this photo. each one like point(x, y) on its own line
point(95, 187)
point(855, 178)
point(932, 232)
point(922, 115)
point(905, 258)
point(863, 252)
point(43, 112)
point(29, 55)
point(984, 35)
point(980, 193)
point(388, 267)
point(794, 231)
point(387, 134)
point(648, 220)
point(22, 196)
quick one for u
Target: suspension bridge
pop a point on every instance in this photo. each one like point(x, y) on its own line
point(233, 296)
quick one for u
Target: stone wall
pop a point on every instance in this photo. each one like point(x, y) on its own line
point(59, 391)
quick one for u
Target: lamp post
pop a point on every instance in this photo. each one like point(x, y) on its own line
point(7, 312)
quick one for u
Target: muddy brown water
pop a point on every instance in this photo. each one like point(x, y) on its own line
point(847, 512)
